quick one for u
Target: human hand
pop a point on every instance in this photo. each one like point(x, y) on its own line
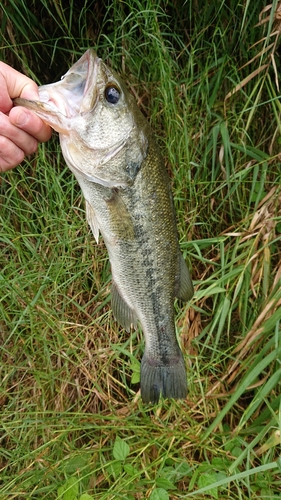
point(20, 129)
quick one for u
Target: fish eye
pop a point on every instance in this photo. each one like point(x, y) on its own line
point(112, 94)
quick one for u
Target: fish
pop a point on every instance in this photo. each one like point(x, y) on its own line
point(110, 148)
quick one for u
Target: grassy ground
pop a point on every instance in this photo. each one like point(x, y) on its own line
point(72, 422)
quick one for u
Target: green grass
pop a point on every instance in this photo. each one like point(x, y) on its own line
point(72, 422)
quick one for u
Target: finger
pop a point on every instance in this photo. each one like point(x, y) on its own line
point(22, 140)
point(14, 84)
point(30, 123)
point(10, 154)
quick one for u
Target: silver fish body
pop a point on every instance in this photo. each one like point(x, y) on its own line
point(110, 148)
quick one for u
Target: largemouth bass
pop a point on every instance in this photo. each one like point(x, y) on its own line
point(109, 146)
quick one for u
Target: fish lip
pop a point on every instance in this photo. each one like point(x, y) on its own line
point(90, 96)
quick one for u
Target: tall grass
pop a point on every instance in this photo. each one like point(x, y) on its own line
point(72, 422)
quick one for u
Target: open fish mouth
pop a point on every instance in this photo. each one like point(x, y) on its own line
point(74, 94)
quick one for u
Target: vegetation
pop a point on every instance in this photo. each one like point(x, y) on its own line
point(206, 74)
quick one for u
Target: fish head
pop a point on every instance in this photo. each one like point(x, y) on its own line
point(102, 132)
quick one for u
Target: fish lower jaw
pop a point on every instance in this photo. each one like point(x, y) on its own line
point(166, 378)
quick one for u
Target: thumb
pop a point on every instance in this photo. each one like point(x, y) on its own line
point(30, 91)
point(14, 84)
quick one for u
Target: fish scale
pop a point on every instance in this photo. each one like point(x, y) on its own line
point(110, 148)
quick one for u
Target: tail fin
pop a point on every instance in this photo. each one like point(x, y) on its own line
point(166, 379)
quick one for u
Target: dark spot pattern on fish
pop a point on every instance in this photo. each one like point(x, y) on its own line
point(132, 168)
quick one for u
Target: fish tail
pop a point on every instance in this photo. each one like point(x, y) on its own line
point(168, 379)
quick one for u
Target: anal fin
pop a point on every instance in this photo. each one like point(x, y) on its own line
point(122, 312)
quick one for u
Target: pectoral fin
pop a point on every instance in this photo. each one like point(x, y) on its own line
point(120, 217)
point(92, 220)
point(185, 287)
point(122, 312)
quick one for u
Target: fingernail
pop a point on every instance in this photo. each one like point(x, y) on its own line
point(21, 118)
